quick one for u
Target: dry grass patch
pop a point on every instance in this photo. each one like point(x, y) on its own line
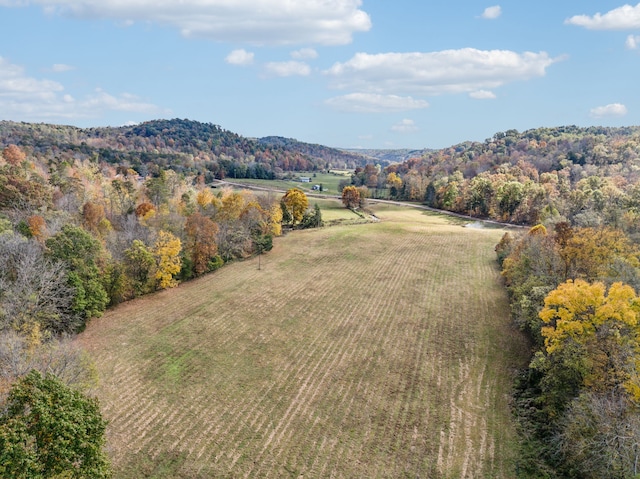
point(374, 350)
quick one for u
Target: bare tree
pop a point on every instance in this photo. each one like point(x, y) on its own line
point(33, 289)
point(601, 435)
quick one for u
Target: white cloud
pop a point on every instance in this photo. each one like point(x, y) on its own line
point(611, 110)
point(23, 98)
point(287, 69)
point(304, 54)
point(632, 42)
point(491, 13)
point(448, 71)
point(239, 57)
point(621, 18)
point(405, 126)
point(482, 95)
point(61, 67)
point(273, 22)
point(374, 103)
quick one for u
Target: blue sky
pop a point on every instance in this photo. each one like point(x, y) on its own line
point(344, 73)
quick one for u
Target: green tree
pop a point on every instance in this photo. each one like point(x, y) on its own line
point(312, 219)
point(141, 267)
point(48, 430)
point(80, 252)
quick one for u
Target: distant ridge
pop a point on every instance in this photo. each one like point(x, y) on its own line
point(185, 146)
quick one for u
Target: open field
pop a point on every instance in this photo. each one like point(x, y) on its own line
point(374, 350)
point(329, 182)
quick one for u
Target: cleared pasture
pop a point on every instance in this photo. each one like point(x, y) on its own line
point(329, 181)
point(374, 350)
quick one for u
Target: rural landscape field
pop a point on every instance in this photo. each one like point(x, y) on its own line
point(370, 350)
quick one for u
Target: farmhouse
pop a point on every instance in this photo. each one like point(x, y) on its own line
point(305, 179)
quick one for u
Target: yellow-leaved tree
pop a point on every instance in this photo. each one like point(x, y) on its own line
point(167, 254)
point(590, 385)
point(596, 333)
point(294, 203)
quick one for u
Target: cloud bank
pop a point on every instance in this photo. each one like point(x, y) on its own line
point(491, 13)
point(607, 111)
point(405, 126)
point(264, 22)
point(449, 71)
point(239, 57)
point(29, 99)
point(374, 103)
point(622, 18)
point(287, 69)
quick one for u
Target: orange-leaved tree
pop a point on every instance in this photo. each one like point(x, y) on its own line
point(201, 233)
point(351, 197)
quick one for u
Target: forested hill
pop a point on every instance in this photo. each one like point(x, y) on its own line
point(180, 145)
point(590, 176)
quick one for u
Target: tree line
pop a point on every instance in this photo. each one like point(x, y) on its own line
point(573, 291)
point(78, 236)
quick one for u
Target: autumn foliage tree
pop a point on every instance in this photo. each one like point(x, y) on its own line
point(143, 209)
point(590, 364)
point(201, 233)
point(92, 215)
point(166, 251)
point(13, 155)
point(294, 203)
point(351, 197)
point(37, 226)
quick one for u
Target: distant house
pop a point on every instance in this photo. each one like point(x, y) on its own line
point(315, 187)
point(305, 179)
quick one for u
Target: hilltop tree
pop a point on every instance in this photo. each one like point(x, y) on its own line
point(48, 430)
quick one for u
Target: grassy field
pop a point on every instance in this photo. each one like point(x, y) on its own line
point(373, 350)
point(329, 182)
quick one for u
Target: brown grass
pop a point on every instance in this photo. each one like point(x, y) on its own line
point(374, 350)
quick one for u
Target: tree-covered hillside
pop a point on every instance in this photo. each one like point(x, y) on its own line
point(590, 176)
point(181, 145)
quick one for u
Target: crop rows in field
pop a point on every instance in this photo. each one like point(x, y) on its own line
point(367, 351)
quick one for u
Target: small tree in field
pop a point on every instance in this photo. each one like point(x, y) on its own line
point(351, 197)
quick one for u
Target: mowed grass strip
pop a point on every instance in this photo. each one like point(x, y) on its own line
point(373, 350)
